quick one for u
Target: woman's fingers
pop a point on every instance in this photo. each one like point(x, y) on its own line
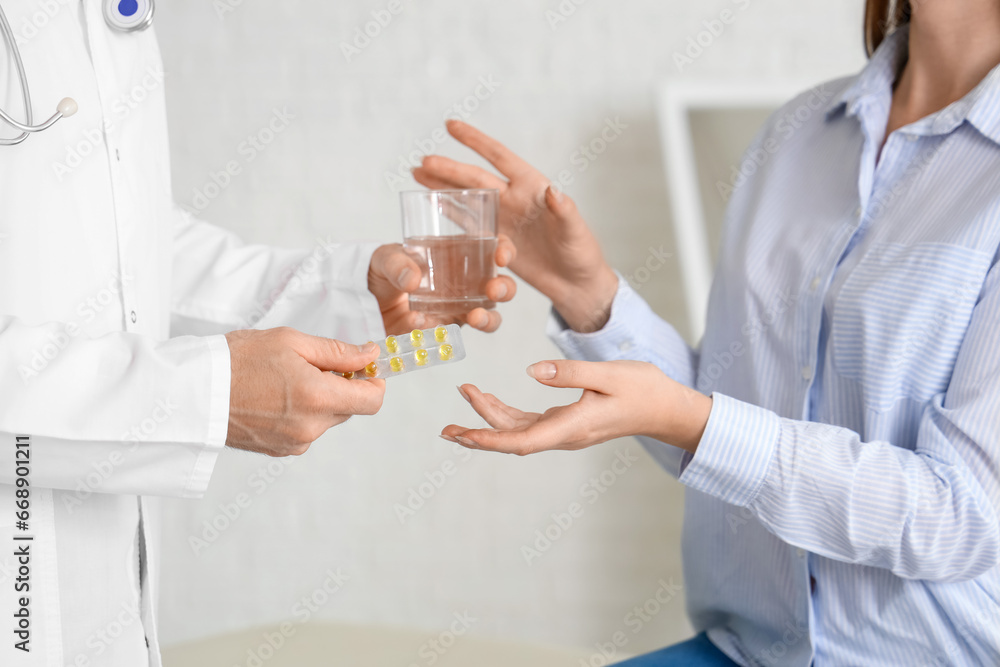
point(505, 442)
point(517, 432)
point(432, 181)
point(600, 376)
point(561, 205)
point(460, 174)
point(543, 435)
point(501, 157)
point(496, 413)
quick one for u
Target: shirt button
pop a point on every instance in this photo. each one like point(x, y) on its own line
point(801, 553)
point(807, 373)
point(912, 137)
point(857, 212)
point(118, 156)
point(625, 346)
point(814, 285)
point(134, 317)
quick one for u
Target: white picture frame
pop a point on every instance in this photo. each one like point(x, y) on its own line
point(676, 100)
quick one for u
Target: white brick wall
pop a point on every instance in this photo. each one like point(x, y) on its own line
point(226, 72)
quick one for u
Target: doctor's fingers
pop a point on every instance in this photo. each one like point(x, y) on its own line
point(506, 250)
point(338, 397)
point(501, 288)
point(392, 262)
point(447, 174)
point(329, 354)
point(501, 157)
point(487, 321)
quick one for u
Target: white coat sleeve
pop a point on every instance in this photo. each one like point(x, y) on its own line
point(221, 284)
point(120, 413)
point(123, 413)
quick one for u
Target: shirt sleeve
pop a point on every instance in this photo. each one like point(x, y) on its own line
point(221, 284)
point(931, 513)
point(120, 413)
point(633, 332)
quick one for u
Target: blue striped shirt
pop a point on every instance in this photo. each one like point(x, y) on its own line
point(843, 506)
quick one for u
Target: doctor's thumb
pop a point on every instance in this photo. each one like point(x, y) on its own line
point(329, 354)
point(402, 272)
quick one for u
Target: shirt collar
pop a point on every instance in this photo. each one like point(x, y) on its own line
point(984, 109)
point(981, 107)
point(878, 76)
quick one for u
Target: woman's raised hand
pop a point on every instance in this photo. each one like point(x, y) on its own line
point(556, 251)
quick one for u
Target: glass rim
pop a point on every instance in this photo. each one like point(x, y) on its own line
point(450, 191)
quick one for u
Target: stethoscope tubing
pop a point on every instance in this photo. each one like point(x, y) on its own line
point(67, 107)
point(26, 129)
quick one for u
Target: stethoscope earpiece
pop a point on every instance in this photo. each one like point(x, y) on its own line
point(67, 107)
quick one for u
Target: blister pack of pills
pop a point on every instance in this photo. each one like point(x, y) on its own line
point(419, 349)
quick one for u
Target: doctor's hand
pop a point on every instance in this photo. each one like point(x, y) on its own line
point(620, 398)
point(393, 274)
point(556, 252)
point(281, 398)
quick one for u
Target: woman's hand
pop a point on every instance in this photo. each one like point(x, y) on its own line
point(393, 274)
point(620, 398)
point(557, 253)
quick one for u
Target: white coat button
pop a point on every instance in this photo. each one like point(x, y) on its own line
point(134, 317)
point(807, 373)
point(118, 155)
point(814, 285)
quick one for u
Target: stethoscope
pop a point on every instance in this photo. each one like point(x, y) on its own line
point(123, 15)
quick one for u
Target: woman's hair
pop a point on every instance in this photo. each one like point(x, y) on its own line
point(881, 18)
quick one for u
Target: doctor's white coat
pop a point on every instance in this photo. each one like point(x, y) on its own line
point(100, 274)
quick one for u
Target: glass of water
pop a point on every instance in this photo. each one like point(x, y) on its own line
point(452, 235)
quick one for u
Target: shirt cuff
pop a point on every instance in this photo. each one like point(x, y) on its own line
point(735, 452)
point(350, 268)
point(613, 341)
point(218, 417)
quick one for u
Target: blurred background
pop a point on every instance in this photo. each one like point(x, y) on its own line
point(412, 532)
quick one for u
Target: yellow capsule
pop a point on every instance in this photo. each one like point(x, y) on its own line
point(349, 375)
point(371, 370)
point(417, 337)
point(446, 352)
point(392, 344)
point(421, 357)
point(396, 364)
point(440, 334)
